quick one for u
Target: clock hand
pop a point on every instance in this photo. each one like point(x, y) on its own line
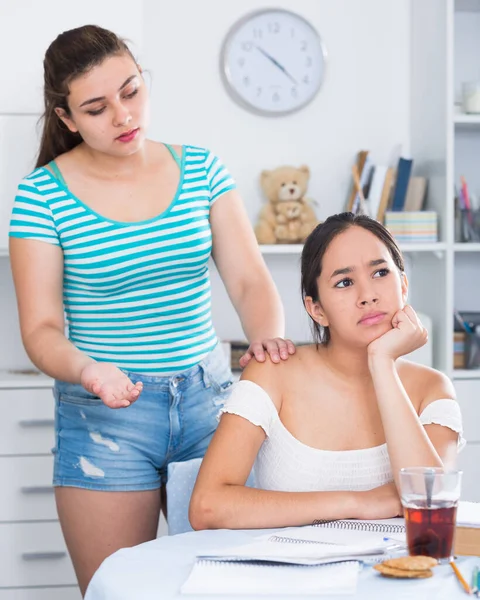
point(276, 63)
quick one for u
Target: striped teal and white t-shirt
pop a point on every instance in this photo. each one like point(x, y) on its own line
point(135, 294)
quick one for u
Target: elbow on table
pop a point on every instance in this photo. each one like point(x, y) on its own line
point(203, 511)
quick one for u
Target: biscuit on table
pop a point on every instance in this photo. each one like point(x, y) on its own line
point(402, 573)
point(411, 563)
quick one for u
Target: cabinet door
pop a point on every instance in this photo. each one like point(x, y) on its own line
point(468, 394)
point(34, 554)
point(27, 423)
point(469, 463)
point(29, 494)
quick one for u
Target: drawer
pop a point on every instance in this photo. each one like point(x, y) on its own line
point(27, 423)
point(27, 493)
point(59, 593)
point(34, 554)
point(468, 461)
point(468, 395)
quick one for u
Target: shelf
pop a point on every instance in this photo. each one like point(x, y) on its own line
point(427, 247)
point(14, 379)
point(297, 248)
point(467, 247)
point(281, 248)
point(466, 374)
point(464, 119)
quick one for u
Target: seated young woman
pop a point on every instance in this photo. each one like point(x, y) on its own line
point(329, 429)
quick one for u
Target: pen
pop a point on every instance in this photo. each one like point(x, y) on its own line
point(390, 539)
point(465, 326)
point(460, 578)
point(475, 580)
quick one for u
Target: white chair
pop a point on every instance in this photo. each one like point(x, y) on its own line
point(181, 480)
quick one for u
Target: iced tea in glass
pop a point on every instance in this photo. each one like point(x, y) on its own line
point(430, 498)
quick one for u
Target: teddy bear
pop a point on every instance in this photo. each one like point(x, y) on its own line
point(287, 217)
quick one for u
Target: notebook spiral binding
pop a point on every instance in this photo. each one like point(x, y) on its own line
point(265, 563)
point(361, 526)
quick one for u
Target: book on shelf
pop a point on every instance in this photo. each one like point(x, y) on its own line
point(416, 194)
point(364, 168)
point(412, 227)
point(404, 169)
point(386, 194)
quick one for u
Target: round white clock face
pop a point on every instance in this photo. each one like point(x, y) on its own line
point(273, 62)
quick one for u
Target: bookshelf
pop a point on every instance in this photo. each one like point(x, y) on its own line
point(464, 119)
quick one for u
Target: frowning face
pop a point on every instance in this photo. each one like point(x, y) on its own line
point(360, 288)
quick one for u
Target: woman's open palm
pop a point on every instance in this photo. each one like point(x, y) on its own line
point(110, 384)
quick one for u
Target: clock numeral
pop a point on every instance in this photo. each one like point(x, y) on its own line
point(257, 34)
point(259, 91)
point(294, 92)
point(306, 79)
point(274, 27)
point(308, 61)
point(241, 62)
point(303, 46)
point(247, 46)
point(246, 81)
point(292, 32)
point(276, 97)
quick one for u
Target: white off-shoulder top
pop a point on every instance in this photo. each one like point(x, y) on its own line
point(286, 464)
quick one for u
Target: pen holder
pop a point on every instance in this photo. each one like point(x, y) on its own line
point(467, 225)
point(472, 349)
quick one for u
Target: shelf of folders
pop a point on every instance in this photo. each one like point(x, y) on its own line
point(393, 196)
point(467, 214)
point(466, 340)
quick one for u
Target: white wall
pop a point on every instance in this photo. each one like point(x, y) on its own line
point(364, 103)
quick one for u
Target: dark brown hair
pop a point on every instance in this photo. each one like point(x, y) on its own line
point(71, 54)
point(317, 244)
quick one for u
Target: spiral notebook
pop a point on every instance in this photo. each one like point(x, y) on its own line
point(244, 578)
point(322, 543)
point(317, 559)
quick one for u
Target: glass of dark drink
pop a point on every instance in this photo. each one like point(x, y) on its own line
point(430, 498)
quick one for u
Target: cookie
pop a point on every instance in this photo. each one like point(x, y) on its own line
point(411, 563)
point(402, 573)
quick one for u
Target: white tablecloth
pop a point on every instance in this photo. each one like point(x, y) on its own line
point(156, 571)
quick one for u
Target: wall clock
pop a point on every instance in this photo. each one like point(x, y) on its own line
point(273, 62)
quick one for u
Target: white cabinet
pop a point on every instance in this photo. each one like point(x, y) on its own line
point(468, 395)
point(33, 556)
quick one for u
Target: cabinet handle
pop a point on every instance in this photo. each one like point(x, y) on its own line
point(43, 555)
point(37, 489)
point(37, 423)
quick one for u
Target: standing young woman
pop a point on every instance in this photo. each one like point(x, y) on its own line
point(117, 231)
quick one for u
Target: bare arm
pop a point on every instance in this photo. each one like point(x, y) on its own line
point(221, 500)
point(37, 269)
point(243, 271)
point(409, 443)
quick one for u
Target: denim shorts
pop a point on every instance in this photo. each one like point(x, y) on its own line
point(173, 420)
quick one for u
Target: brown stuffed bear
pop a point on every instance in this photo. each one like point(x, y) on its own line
point(287, 217)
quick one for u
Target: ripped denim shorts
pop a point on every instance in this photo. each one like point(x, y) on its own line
point(125, 449)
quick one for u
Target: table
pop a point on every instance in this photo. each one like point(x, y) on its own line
point(156, 570)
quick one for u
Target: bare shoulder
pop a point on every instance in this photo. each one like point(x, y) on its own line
point(270, 376)
point(427, 383)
